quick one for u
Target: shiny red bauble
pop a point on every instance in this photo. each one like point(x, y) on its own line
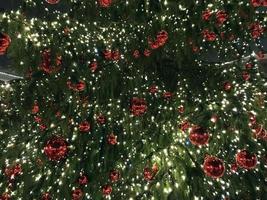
point(227, 86)
point(46, 196)
point(112, 139)
point(114, 175)
point(138, 106)
point(246, 160)
point(199, 136)
point(77, 194)
point(83, 180)
point(84, 126)
point(101, 119)
point(106, 190)
point(52, 1)
point(56, 148)
point(5, 196)
point(213, 167)
point(105, 3)
point(4, 43)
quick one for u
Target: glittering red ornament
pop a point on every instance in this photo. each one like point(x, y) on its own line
point(162, 37)
point(106, 190)
point(112, 139)
point(107, 54)
point(37, 119)
point(256, 3)
point(246, 159)
point(35, 108)
point(116, 55)
point(227, 86)
point(5, 196)
point(56, 148)
point(209, 35)
point(167, 96)
point(136, 54)
point(206, 15)
point(84, 126)
point(249, 66)
point(114, 175)
point(83, 180)
point(213, 167)
point(245, 76)
point(184, 126)
point(42, 127)
point(105, 3)
point(198, 136)
point(52, 1)
point(101, 119)
point(46, 196)
point(80, 86)
point(221, 17)
point(138, 106)
point(13, 171)
point(93, 66)
point(181, 109)
point(77, 194)
point(4, 43)
point(153, 89)
point(260, 132)
point(234, 167)
point(147, 52)
point(256, 30)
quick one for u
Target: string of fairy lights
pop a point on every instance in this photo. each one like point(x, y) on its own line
point(88, 35)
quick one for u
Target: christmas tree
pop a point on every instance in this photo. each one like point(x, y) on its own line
point(140, 99)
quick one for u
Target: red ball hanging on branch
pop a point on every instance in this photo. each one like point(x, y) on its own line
point(112, 139)
point(199, 136)
point(56, 149)
point(259, 132)
point(52, 1)
point(46, 196)
point(83, 180)
point(184, 126)
point(206, 15)
point(245, 76)
point(5, 196)
point(150, 173)
point(106, 190)
point(84, 126)
point(13, 171)
point(138, 106)
point(227, 86)
point(4, 43)
point(35, 108)
point(221, 17)
point(213, 167)
point(101, 119)
point(114, 175)
point(246, 159)
point(77, 194)
point(105, 3)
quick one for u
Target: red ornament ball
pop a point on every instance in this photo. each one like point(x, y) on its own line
point(198, 136)
point(56, 149)
point(46, 196)
point(83, 180)
point(77, 194)
point(246, 159)
point(101, 119)
point(106, 190)
point(112, 139)
point(105, 3)
point(213, 167)
point(245, 76)
point(138, 106)
point(227, 86)
point(84, 126)
point(5, 196)
point(52, 1)
point(114, 175)
point(4, 43)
